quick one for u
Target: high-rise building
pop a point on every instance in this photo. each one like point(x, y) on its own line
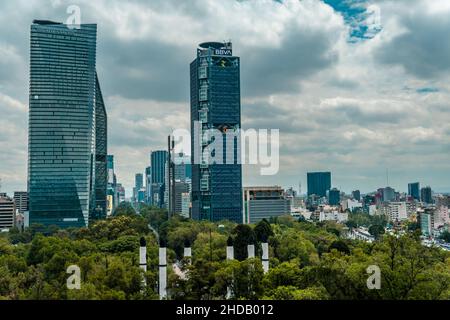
point(21, 201)
point(334, 197)
point(414, 190)
point(319, 183)
point(7, 212)
point(148, 185)
point(356, 195)
point(264, 203)
point(67, 127)
point(426, 195)
point(216, 107)
point(112, 196)
point(158, 165)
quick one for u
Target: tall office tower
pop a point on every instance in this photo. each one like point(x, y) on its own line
point(334, 197)
point(356, 195)
point(216, 107)
point(414, 190)
point(158, 164)
point(319, 183)
point(426, 195)
point(7, 212)
point(21, 201)
point(148, 185)
point(67, 127)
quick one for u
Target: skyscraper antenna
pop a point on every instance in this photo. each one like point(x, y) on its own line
point(387, 177)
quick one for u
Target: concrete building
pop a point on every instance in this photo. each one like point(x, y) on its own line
point(264, 203)
point(7, 213)
point(328, 213)
point(21, 201)
point(396, 211)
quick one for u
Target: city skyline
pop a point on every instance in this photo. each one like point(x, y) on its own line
point(386, 113)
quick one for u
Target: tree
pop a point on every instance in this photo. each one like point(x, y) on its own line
point(244, 235)
point(376, 230)
point(263, 231)
point(340, 246)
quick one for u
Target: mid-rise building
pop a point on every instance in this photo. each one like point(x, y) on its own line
point(397, 211)
point(67, 173)
point(334, 197)
point(264, 203)
point(356, 195)
point(7, 213)
point(21, 201)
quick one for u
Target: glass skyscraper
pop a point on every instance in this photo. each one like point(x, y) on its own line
point(216, 104)
point(158, 164)
point(414, 190)
point(67, 171)
point(319, 183)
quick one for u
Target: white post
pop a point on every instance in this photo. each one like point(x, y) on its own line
point(162, 273)
point(251, 251)
point(188, 252)
point(230, 252)
point(265, 256)
point(143, 258)
point(230, 256)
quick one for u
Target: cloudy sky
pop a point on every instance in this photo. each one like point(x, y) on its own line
point(355, 87)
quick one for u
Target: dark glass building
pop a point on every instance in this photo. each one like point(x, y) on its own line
point(215, 105)
point(319, 183)
point(426, 195)
point(334, 197)
point(67, 146)
point(158, 165)
point(414, 190)
point(356, 195)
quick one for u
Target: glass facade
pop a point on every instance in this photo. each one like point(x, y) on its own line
point(216, 103)
point(158, 164)
point(319, 183)
point(67, 173)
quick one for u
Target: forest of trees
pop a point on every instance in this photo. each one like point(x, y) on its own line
point(307, 261)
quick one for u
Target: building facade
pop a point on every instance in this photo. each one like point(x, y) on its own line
point(414, 190)
point(158, 164)
point(21, 201)
point(7, 213)
point(67, 127)
point(216, 107)
point(318, 183)
point(264, 203)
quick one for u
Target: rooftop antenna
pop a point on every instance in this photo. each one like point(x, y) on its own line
point(387, 177)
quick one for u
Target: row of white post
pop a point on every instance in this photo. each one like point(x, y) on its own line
point(188, 254)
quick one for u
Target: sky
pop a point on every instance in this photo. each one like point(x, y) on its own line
point(355, 87)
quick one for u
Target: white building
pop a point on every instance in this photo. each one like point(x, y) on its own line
point(350, 204)
point(396, 211)
point(327, 213)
